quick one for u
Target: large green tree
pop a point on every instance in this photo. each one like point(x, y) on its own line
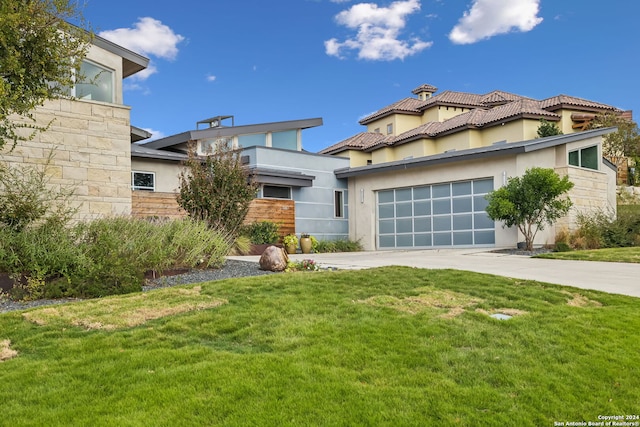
point(40, 57)
point(531, 201)
point(623, 143)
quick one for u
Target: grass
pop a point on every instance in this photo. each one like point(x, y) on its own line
point(630, 254)
point(389, 346)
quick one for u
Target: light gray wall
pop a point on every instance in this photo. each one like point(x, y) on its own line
point(314, 205)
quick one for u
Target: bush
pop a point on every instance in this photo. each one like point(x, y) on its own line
point(599, 230)
point(262, 232)
point(343, 245)
point(104, 257)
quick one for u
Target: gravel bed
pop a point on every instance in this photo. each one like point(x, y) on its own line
point(230, 269)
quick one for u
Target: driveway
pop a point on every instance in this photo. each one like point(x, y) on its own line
point(618, 278)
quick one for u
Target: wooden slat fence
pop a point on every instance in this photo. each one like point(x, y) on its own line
point(147, 204)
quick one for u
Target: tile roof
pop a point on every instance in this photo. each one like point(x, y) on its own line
point(556, 102)
point(424, 88)
point(485, 110)
point(360, 142)
point(471, 100)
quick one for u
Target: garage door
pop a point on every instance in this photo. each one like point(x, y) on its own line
point(439, 215)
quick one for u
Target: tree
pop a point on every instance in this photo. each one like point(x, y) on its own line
point(40, 58)
point(530, 201)
point(547, 128)
point(217, 189)
point(623, 143)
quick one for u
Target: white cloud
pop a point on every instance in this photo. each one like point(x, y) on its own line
point(488, 18)
point(155, 134)
point(378, 32)
point(148, 37)
point(211, 78)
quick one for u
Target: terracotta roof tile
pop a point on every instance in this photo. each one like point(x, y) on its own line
point(408, 105)
point(424, 88)
point(360, 141)
point(558, 101)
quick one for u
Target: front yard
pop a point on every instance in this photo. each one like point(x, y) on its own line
point(389, 346)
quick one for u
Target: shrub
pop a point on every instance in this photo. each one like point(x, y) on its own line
point(343, 245)
point(104, 257)
point(262, 232)
point(217, 189)
point(27, 196)
point(600, 230)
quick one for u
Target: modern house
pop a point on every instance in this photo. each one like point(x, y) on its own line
point(297, 188)
point(90, 134)
point(419, 174)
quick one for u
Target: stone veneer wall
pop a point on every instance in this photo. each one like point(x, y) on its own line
point(92, 152)
point(589, 194)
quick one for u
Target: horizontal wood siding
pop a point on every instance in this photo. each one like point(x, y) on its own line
point(282, 212)
point(146, 204)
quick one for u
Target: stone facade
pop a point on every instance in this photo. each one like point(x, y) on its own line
point(91, 153)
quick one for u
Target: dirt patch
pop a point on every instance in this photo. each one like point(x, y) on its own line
point(454, 302)
point(125, 311)
point(578, 300)
point(6, 352)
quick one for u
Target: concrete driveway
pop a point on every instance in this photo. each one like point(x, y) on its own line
point(618, 278)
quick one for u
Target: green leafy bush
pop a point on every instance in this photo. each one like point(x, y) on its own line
point(342, 245)
point(104, 257)
point(601, 230)
point(262, 232)
point(217, 189)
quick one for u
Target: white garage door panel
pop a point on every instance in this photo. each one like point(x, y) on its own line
point(438, 215)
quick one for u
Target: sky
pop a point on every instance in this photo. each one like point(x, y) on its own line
point(268, 61)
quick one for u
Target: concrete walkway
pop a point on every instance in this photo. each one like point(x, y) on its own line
point(618, 278)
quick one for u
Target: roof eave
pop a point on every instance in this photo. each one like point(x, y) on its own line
point(472, 154)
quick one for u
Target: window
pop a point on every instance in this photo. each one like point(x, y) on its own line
point(287, 139)
point(389, 128)
point(210, 146)
point(257, 139)
point(143, 181)
point(97, 83)
point(276, 192)
point(584, 157)
point(377, 130)
point(338, 203)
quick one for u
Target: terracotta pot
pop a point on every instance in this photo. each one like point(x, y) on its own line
point(291, 248)
point(305, 245)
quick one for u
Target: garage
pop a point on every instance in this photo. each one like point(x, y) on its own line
point(450, 214)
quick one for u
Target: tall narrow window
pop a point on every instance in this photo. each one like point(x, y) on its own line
point(389, 128)
point(338, 203)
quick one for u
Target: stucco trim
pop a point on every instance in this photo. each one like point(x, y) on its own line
point(474, 153)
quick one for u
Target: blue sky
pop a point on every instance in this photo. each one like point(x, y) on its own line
point(264, 61)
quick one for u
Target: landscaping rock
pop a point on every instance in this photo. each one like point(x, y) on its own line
point(273, 259)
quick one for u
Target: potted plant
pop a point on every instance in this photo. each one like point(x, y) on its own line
point(305, 243)
point(290, 243)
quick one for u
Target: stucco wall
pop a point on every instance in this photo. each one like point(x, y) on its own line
point(314, 206)
point(166, 172)
point(593, 189)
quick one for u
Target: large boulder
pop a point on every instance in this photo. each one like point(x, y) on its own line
point(273, 259)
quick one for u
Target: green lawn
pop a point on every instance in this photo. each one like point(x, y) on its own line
point(391, 346)
point(631, 254)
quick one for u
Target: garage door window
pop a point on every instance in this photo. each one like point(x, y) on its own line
point(447, 214)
